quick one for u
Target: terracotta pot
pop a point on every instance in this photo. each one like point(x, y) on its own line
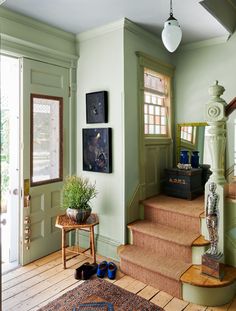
point(78, 215)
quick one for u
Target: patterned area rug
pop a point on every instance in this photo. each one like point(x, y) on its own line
point(99, 295)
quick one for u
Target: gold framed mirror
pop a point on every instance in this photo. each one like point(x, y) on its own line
point(190, 136)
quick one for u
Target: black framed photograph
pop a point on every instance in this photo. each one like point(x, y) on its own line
point(97, 153)
point(97, 107)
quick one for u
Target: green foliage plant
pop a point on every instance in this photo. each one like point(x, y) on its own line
point(77, 192)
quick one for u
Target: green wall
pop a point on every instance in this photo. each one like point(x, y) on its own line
point(101, 67)
point(230, 232)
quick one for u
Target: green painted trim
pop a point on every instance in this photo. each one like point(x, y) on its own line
point(18, 47)
point(203, 43)
point(37, 25)
point(139, 31)
point(155, 64)
point(208, 296)
point(149, 140)
point(130, 236)
point(72, 122)
point(145, 60)
point(104, 246)
point(141, 212)
point(132, 211)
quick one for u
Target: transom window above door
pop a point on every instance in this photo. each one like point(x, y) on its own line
point(46, 139)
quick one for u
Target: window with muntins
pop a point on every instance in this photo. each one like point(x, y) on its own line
point(156, 100)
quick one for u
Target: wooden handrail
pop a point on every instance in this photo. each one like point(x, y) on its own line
point(230, 107)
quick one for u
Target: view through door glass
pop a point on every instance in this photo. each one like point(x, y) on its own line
point(46, 139)
point(10, 194)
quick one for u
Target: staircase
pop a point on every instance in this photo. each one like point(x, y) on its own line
point(161, 244)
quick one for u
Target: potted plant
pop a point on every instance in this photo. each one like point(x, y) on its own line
point(76, 195)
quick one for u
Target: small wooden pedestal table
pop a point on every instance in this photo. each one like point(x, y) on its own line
point(66, 225)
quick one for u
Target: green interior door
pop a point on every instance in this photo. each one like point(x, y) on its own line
point(45, 155)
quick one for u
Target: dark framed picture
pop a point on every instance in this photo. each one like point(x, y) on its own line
point(97, 107)
point(97, 154)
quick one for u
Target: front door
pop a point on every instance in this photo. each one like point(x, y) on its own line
point(45, 161)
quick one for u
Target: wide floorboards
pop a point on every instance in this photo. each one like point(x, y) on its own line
point(33, 286)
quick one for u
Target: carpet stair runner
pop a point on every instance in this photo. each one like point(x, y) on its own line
point(161, 249)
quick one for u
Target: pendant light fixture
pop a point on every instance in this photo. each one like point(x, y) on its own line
point(171, 34)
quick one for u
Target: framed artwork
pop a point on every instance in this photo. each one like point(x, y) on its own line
point(97, 155)
point(97, 107)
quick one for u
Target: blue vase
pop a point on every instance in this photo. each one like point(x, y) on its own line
point(195, 159)
point(184, 157)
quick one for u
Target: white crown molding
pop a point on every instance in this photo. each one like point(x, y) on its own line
point(204, 43)
point(124, 23)
point(30, 22)
point(100, 31)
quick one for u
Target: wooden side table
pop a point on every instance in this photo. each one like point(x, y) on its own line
point(66, 225)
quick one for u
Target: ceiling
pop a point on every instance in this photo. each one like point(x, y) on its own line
point(77, 16)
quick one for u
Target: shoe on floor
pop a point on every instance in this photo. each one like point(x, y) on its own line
point(102, 269)
point(85, 271)
point(111, 270)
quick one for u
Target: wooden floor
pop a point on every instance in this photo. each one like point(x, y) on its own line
point(33, 286)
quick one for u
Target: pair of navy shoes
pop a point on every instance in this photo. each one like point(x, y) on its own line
point(107, 267)
point(85, 271)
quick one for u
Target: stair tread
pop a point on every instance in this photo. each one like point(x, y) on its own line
point(193, 208)
point(165, 266)
point(163, 232)
point(201, 241)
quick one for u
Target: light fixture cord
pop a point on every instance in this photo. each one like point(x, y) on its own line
point(171, 9)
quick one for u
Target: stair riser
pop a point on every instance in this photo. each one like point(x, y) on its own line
point(162, 247)
point(171, 219)
point(154, 279)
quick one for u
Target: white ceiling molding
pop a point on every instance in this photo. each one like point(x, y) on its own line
point(100, 31)
point(204, 43)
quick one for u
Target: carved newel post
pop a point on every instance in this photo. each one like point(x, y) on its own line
point(214, 189)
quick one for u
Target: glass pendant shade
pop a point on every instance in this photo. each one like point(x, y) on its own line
point(171, 34)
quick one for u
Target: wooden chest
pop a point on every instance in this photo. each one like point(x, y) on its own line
point(186, 184)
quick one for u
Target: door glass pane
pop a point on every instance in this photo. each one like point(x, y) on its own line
point(46, 139)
